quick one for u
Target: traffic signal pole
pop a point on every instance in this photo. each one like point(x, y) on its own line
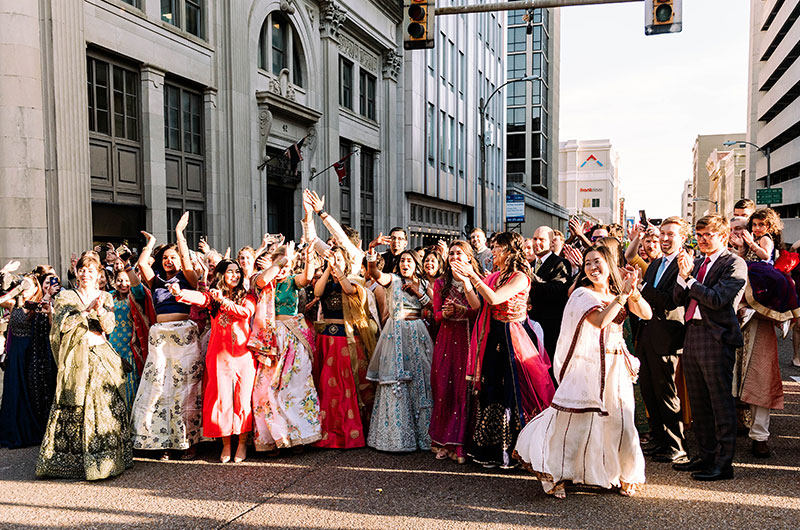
point(522, 4)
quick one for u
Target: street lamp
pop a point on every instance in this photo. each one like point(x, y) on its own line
point(715, 203)
point(764, 151)
point(482, 109)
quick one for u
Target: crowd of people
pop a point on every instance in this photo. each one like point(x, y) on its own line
point(501, 352)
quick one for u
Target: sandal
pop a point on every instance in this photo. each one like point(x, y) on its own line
point(165, 456)
point(628, 491)
point(442, 454)
point(458, 455)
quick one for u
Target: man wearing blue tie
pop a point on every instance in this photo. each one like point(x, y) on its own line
point(659, 342)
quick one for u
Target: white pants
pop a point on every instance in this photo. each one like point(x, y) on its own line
point(759, 431)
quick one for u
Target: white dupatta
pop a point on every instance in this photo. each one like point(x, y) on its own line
point(579, 361)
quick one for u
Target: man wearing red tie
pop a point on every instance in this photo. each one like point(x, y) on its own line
point(710, 290)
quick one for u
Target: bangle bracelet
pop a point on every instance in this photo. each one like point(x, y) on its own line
point(372, 257)
point(321, 213)
point(621, 300)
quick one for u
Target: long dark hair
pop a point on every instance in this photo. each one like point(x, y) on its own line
point(158, 260)
point(418, 272)
point(433, 251)
point(516, 261)
point(614, 281)
point(236, 294)
point(447, 275)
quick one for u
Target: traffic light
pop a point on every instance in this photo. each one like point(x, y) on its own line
point(418, 24)
point(662, 16)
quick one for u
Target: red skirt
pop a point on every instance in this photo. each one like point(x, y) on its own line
point(341, 417)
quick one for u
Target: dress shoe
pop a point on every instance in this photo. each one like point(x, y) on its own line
point(669, 457)
point(715, 472)
point(695, 464)
point(760, 449)
point(652, 449)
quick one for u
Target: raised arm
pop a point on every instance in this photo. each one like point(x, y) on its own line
point(633, 247)
point(319, 287)
point(309, 230)
point(460, 273)
point(301, 280)
point(265, 277)
point(183, 250)
point(144, 259)
point(372, 268)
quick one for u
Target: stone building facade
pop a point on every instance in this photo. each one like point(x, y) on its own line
point(117, 115)
point(726, 179)
point(704, 145)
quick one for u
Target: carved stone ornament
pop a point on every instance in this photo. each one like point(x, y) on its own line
point(282, 87)
point(332, 16)
point(311, 141)
point(392, 64)
point(287, 6)
point(264, 127)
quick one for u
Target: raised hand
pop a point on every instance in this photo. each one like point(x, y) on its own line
point(150, 239)
point(317, 202)
point(203, 247)
point(183, 222)
point(461, 271)
point(380, 240)
point(747, 237)
point(13, 265)
point(636, 231)
point(290, 253)
point(574, 226)
point(308, 207)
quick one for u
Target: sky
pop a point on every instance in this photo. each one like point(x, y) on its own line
point(652, 95)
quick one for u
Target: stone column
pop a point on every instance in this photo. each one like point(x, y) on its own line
point(215, 215)
point(355, 187)
point(155, 173)
point(390, 182)
point(332, 16)
point(23, 207)
point(69, 203)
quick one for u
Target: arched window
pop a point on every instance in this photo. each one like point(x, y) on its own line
point(279, 47)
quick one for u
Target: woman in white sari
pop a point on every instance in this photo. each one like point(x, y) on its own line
point(588, 435)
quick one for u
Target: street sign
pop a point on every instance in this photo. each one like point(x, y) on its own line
point(769, 196)
point(515, 208)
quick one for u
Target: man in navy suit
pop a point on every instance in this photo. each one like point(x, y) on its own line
point(659, 344)
point(710, 289)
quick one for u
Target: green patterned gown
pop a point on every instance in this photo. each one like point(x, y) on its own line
point(88, 433)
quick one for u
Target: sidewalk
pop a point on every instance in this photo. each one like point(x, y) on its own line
point(368, 489)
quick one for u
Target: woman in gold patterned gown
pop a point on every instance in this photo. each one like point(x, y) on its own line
point(88, 434)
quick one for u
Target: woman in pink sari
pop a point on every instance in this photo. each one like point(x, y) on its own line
point(455, 318)
point(509, 378)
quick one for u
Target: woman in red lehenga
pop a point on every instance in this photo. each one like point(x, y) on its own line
point(345, 342)
point(455, 318)
point(510, 379)
point(230, 367)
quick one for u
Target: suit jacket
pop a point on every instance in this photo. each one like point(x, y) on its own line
point(718, 296)
point(665, 330)
point(548, 294)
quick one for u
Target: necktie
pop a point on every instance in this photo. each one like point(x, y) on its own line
point(660, 271)
point(701, 274)
point(537, 265)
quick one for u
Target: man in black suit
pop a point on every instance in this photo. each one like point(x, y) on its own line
point(549, 285)
point(659, 342)
point(710, 290)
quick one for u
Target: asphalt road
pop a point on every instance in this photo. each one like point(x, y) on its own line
point(368, 489)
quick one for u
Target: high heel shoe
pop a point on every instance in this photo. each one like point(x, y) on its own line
point(241, 454)
point(225, 457)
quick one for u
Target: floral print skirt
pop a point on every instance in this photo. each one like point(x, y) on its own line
point(90, 441)
point(285, 403)
point(168, 410)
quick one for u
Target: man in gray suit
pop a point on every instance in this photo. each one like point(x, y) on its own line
point(710, 290)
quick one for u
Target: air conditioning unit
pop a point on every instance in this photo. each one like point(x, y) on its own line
point(515, 178)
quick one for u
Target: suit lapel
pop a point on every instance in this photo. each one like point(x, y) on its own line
point(716, 268)
point(672, 270)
